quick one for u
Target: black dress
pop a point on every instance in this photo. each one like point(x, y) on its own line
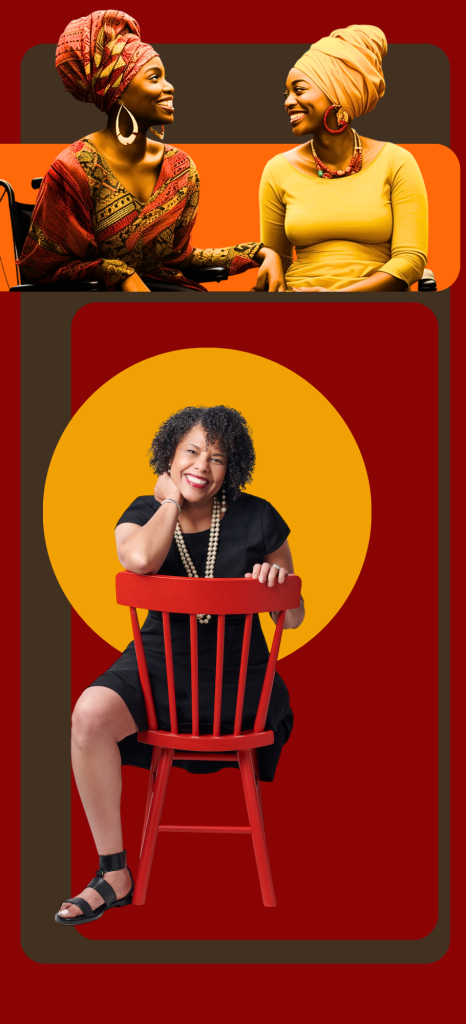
point(250, 529)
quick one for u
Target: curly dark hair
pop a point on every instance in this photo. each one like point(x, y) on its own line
point(220, 423)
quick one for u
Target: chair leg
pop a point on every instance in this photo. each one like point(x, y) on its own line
point(156, 752)
point(256, 823)
point(258, 785)
point(155, 814)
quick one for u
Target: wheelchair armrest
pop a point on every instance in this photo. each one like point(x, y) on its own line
point(36, 183)
point(61, 286)
point(201, 275)
point(427, 282)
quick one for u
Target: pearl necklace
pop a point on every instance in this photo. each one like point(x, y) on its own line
point(211, 550)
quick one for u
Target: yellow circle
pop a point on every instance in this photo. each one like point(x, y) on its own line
point(308, 466)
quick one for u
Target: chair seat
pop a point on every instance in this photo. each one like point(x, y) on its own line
point(177, 741)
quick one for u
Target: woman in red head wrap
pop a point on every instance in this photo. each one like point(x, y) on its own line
point(116, 205)
point(353, 209)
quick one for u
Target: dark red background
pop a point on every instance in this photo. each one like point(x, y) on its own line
point(351, 817)
point(330, 992)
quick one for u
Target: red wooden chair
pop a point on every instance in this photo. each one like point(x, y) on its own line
point(216, 597)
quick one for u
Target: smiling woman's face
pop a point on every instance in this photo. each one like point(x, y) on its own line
point(149, 96)
point(198, 469)
point(305, 104)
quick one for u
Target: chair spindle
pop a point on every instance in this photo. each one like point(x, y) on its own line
point(194, 676)
point(143, 673)
point(243, 673)
point(170, 676)
point(219, 675)
point(264, 702)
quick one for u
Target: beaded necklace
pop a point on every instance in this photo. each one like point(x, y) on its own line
point(186, 559)
point(353, 167)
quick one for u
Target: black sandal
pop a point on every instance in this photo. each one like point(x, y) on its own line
point(112, 862)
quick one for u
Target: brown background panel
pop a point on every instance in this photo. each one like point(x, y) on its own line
point(233, 93)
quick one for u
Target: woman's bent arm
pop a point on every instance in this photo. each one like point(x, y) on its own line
point(272, 219)
point(61, 244)
point(410, 229)
point(236, 258)
point(143, 549)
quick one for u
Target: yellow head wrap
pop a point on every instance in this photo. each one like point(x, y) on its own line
point(347, 67)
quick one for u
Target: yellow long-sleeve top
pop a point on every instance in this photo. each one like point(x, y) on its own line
point(345, 229)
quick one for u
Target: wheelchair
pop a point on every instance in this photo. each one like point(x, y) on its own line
point(20, 216)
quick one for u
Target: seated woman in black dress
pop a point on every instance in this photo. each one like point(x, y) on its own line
point(201, 455)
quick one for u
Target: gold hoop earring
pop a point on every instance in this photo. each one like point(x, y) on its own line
point(126, 140)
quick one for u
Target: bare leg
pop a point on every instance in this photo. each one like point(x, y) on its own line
point(100, 720)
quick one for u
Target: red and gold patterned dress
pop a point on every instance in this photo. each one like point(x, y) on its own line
point(87, 224)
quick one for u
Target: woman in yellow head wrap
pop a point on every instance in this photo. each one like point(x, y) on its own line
point(354, 209)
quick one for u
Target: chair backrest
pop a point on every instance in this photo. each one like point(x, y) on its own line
point(217, 597)
point(20, 217)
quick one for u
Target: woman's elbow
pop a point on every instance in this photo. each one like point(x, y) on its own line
point(417, 262)
point(294, 617)
point(133, 561)
point(410, 264)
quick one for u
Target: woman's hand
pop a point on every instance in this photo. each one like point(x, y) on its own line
point(267, 573)
point(270, 277)
point(311, 289)
point(133, 283)
point(143, 549)
point(166, 488)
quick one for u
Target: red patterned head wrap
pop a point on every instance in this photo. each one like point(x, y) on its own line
point(97, 56)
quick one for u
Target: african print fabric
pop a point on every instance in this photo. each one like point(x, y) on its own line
point(97, 56)
point(87, 224)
